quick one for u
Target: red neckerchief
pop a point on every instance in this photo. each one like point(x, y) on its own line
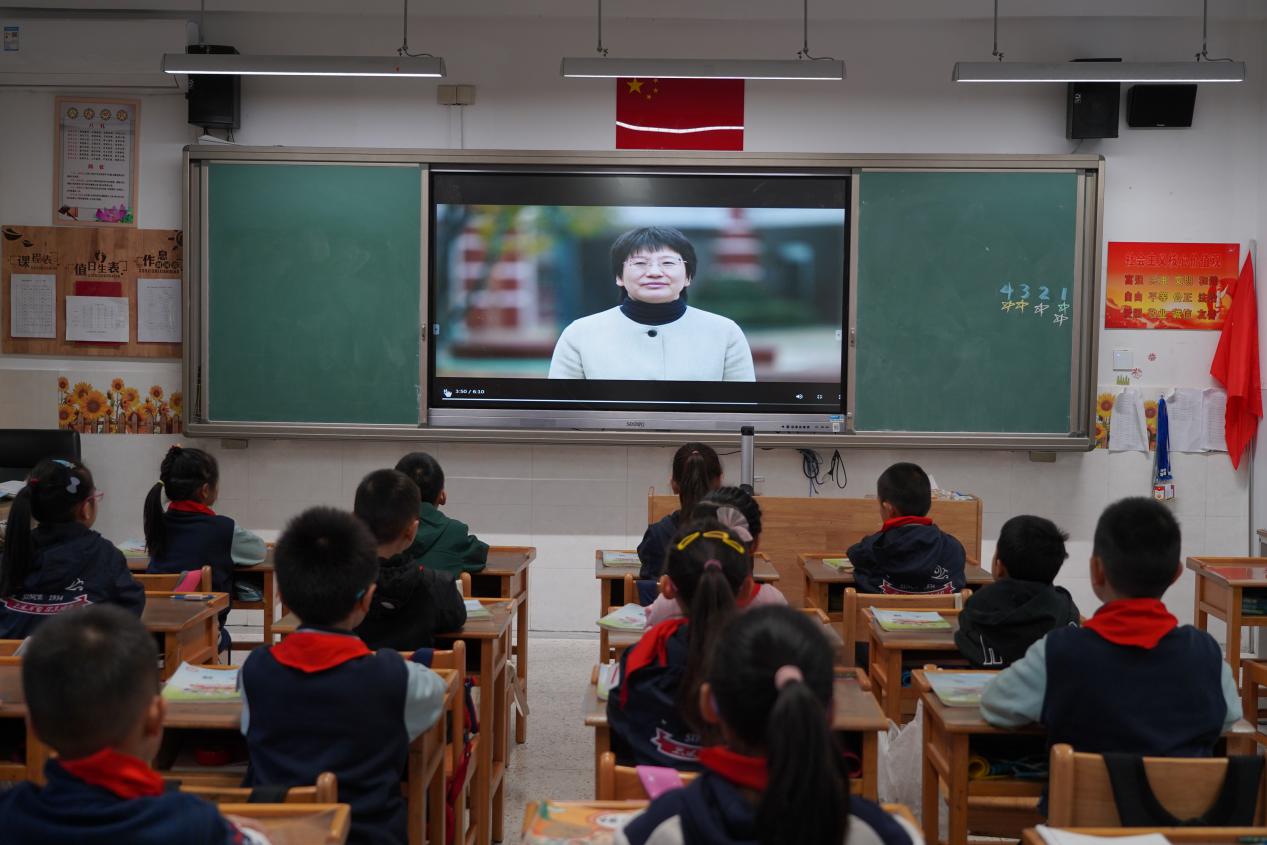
point(1137, 622)
point(739, 769)
point(189, 506)
point(317, 651)
point(899, 521)
point(756, 588)
point(652, 648)
point(124, 775)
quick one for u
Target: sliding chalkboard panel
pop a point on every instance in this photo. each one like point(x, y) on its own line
point(967, 292)
point(313, 292)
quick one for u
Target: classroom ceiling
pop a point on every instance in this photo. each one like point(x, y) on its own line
point(662, 9)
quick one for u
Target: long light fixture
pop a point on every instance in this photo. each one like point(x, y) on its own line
point(404, 64)
point(803, 67)
point(1204, 69)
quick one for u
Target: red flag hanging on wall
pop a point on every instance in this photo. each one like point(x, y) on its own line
point(1235, 364)
point(679, 114)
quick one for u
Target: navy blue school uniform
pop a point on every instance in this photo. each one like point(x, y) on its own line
point(908, 555)
point(655, 542)
point(73, 566)
point(647, 728)
point(321, 701)
point(713, 810)
point(1131, 680)
point(196, 536)
point(108, 798)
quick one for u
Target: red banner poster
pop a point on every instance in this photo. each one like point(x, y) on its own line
point(1168, 286)
point(679, 114)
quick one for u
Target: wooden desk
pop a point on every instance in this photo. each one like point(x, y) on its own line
point(855, 712)
point(506, 577)
point(140, 562)
point(190, 629)
point(611, 578)
point(1181, 835)
point(889, 649)
point(825, 585)
point(947, 732)
point(13, 707)
point(1220, 591)
point(488, 648)
point(618, 641)
point(424, 775)
point(319, 824)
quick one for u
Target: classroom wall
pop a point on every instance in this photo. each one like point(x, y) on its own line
point(1207, 183)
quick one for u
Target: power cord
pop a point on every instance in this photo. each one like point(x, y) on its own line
point(811, 468)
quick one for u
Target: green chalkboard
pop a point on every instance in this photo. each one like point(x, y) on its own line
point(314, 279)
point(941, 344)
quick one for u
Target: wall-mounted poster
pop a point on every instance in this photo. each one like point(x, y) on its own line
point(96, 150)
point(1168, 286)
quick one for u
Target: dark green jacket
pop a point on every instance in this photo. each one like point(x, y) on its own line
point(446, 545)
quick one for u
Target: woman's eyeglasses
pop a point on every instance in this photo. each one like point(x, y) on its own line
point(642, 265)
point(96, 495)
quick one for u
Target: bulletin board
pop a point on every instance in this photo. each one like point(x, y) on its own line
point(92, 262)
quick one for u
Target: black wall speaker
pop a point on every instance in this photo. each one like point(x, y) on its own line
point(1160, 106)
point(1092, 110)
point(215, 101)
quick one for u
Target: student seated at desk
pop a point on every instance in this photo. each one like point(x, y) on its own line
point(412, 603)
point(321, 701)
point(1132, 679)
point(779, 777)
point(653, 708)
point(189, 534)
point(734, 508)
point(696, 472)
point(93, 697)
point(908, 554)
point(443, 544)
point(60, 563)
point(1003, 619)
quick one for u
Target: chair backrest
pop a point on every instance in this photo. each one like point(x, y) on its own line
point(621, 783)
point(174, 582)
point(324, 791)
point(464, 584)
point(1080, 795)
point(854, 619)
point(23, 448)
point(630, 594)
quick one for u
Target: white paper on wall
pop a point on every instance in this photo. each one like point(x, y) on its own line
point(32, 305)
point(158, 310)
point(1128, 431)
point(99, 318)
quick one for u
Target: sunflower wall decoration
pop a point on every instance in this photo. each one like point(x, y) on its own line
point(118, 408)
point(1104, 415)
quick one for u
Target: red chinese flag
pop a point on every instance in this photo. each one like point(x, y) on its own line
point(679, 114)
point(1235, 364)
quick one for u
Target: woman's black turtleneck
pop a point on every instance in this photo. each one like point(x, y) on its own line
point(653, 313)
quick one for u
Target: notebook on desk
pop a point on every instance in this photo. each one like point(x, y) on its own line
point(910, 620)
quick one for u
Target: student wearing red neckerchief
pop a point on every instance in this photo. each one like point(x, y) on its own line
point(779, 777)
point(92, 692)
point(1131, 679)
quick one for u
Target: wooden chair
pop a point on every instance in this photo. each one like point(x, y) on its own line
point(9, 648)
point(621, 783)
point(166, 582)
point(325, 791)
point(1080, 795)
point(630, 590)
point(455, 659)
point(854, 622)
point(464, 585)
point(1253, 680)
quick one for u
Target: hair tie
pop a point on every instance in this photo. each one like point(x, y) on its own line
point(787, 674)
point(735, 521)
point(712, 563)
point(32, 481)
point(72, 486)
point(160, 482)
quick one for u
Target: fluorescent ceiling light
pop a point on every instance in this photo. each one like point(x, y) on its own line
point(234, 65)
point(584, 67)
point(1098, 72)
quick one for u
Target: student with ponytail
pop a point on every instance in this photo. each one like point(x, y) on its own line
point(53, 560)
point(780, 778)
point(737, 510)
point(653, 710)
point(189, 534)
point(696, 473)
